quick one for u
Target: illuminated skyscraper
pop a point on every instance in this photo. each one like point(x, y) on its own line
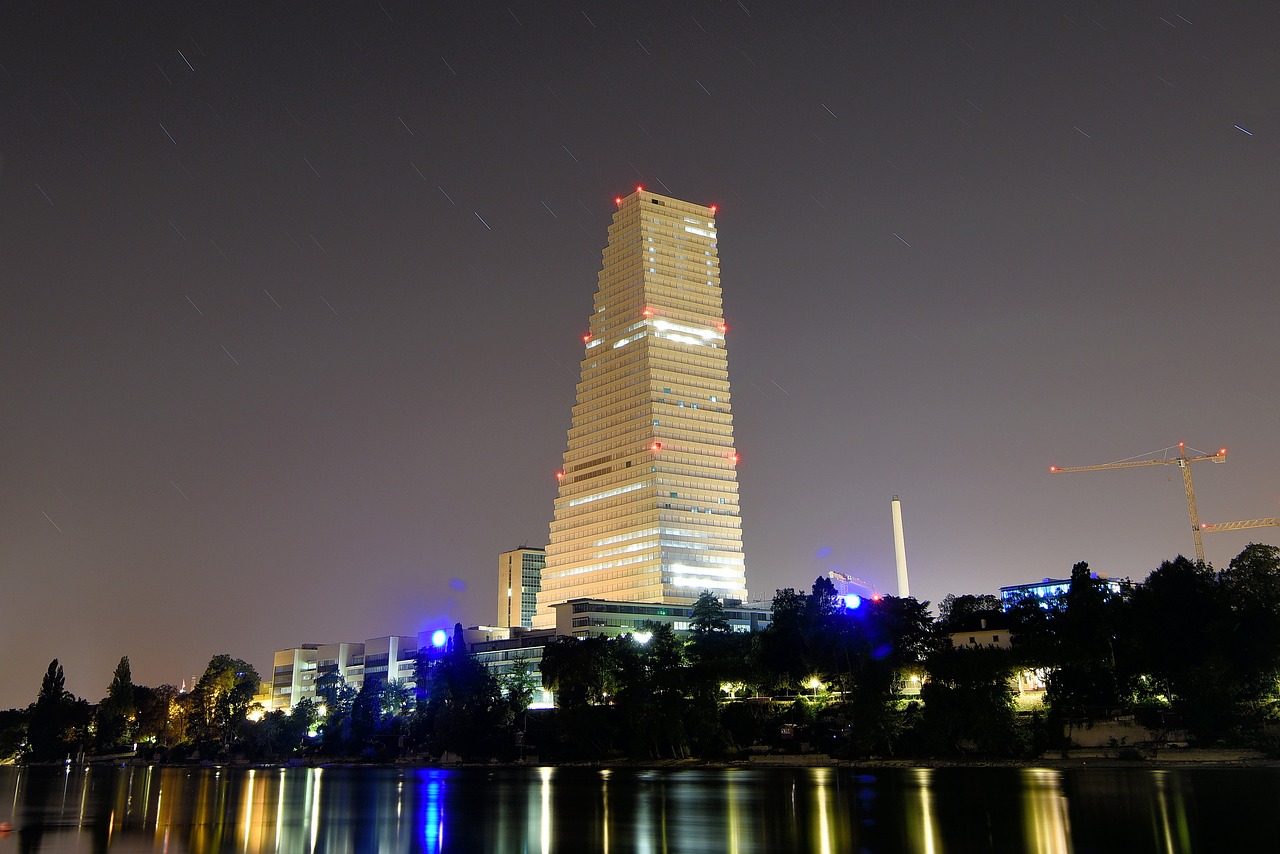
point(648, 502)
point(519, 580)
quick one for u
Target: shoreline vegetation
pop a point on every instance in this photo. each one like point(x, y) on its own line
point(1186, 757)
point(1180, 670)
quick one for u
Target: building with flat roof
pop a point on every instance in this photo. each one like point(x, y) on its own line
point(647, 509)
point(519, 580)
point(581, 618)
point(293, 676)
point(1053, 591)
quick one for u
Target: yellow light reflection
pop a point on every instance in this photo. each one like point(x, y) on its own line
point(922, 829)
point(280, 809)
point(822, 793)
point(731, 792)
point(545, 774)
point(246, 810)
point(604, 793)
point(1046, 828)
point(313, 811)
point(1172, 816)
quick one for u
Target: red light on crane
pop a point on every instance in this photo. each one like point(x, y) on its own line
point(1222, 452)
point(1052, 469)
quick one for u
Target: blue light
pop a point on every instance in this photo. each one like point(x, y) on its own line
point(852, 601)
point(439, 638)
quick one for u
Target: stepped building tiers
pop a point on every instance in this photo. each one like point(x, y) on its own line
point(648, 501)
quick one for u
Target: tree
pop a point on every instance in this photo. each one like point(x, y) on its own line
point(1086, 680)
point(1180, 628)
point(779, 650)
point(397, 699)
point(221, 698)
point(1251, 587)
point(967, 702)
point(875, 646)
point(650, 692)
point(161, 715)
point(336, 695)
point(13, 734)
point(707, 615)
point(58, 722)
point(954, 610)
point(116, 718)
point(366, 717)
point(579, 672)
point(462, 710)
point(518, 685)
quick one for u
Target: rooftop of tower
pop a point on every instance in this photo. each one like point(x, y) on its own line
point(658, 199)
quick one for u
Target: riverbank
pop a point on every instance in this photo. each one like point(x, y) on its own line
point(1187, 757)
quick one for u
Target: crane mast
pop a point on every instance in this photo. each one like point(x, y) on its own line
point(1182, 461)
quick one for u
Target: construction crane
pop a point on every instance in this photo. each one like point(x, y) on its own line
point(1183, 462)
point(1216, 527)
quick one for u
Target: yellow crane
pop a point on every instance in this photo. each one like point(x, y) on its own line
point(1213, 528)
point(1182, 461)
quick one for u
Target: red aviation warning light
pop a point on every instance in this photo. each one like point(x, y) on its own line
point(724, 328)
point(648, 312)
point(639, 189)
point(655, 447)
point(714, 208)
point(586, 338)
point(560, 475)
point(617, 200)
point(733, 458)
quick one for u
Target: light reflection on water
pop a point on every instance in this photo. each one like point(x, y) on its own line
point(648, 811)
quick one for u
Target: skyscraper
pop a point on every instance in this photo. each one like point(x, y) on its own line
point(648, 502)
point(519, 580)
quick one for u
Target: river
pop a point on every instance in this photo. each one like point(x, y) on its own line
point(539, 810)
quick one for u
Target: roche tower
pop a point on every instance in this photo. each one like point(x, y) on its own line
point(648, 502)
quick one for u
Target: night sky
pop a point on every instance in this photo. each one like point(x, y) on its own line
point(293, 295)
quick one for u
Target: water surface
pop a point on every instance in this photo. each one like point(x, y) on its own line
point(542, 810)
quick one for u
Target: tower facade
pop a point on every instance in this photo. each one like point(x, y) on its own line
point(647, 509)
point(519, 580)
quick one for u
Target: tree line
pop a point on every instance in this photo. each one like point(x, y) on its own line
point(1189, 649)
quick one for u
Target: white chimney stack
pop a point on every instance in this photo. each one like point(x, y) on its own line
point(900, 549)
